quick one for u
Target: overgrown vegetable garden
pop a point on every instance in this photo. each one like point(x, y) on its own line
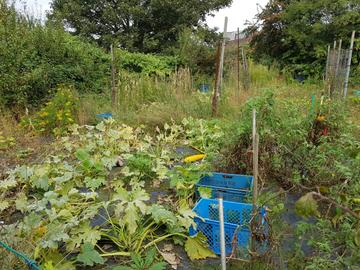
point(74, 203)
point(111, 194)
point(112, 158)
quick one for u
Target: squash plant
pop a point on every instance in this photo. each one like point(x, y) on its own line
point(72, 207)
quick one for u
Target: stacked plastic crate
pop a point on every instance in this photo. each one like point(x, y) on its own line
point(235, 190)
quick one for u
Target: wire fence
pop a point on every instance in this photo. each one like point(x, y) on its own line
point(336, 71)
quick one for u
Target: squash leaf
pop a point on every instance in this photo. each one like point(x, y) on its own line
point(196, 248)
point(89, 256)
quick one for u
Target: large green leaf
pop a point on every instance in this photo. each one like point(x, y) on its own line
point(121, 194)
point(64, 178)
point(83, 234)
point(4, 205)
point(139, 196)
point(82, 154)
point(21, 202)
point(161, 215)
point(94, 183)
point(197, 248)
point(131, 217)
point(56, 234)
point(89, 256)
point(41, 182)
point(186, 216)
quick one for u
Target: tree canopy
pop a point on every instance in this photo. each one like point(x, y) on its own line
point(137, 25)
point(295, 33)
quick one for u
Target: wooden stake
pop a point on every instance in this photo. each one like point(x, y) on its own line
point(113, 78)
point(245, 70)
point(219, 76)
point(222, 56)
point(217, 67)
point(327, 64)
point(338, 59)
point(238, 64)
point(348, 68)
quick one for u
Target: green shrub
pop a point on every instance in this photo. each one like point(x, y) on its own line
point(6, 142)
point(147, 64)
point(36, 58)
point(58, 114)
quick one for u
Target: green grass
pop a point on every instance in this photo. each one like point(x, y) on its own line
point(154, 100)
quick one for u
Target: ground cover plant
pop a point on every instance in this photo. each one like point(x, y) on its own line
point(71, 204)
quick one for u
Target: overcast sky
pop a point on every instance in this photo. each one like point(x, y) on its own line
point(238, 13)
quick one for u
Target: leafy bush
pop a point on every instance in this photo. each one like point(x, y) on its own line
point(57, 114)
point(6, 142)
point(333, 247)
point(197, 49)
point(312, 150)
point(147, 64)
point(36, 58)
point(300, 44)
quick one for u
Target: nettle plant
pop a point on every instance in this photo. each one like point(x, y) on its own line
point(72, 206)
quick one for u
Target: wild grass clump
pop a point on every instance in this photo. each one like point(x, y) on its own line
point(151, 100)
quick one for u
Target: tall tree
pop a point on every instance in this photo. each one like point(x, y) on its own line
point(295, 33)
point(138, 25)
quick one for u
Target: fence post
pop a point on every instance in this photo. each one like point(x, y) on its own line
point(338, 58)
point(222, 56)
point(346, 84)
point(246, 75)
point(327, 64)
point(219, 74)
point(113, 78)
point(222, 233)
point(217, 67)
point(238, 64)
point(255, 138)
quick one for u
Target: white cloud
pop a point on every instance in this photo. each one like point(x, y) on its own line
point(37, 8)
point(238, 13)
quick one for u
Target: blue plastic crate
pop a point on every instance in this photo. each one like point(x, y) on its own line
point(232, 187)
point(104, 115)
point(237, 218)
point(204, 88)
